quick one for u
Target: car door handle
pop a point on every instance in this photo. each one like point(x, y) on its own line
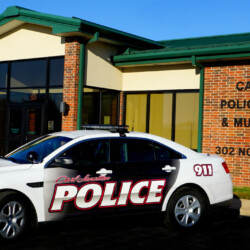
point(104, 172)
point(168, 168)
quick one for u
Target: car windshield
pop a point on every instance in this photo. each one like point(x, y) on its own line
point(42, 147)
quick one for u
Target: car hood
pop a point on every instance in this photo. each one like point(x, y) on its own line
point(9, 165)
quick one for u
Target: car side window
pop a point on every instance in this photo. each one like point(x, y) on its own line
point(118, 153)
point(131, 150)
point(89, 153)
point(163, 153)
point(140, 150)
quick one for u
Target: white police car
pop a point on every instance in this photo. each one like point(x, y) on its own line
point(96, 172)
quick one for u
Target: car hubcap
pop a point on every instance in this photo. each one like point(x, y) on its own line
point(11, 219)
point(187, 211)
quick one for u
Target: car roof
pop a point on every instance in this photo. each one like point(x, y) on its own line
point(86, 133)
point(105, 133)
point(81, 133)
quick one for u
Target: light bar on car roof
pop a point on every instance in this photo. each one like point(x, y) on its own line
point(122, 129)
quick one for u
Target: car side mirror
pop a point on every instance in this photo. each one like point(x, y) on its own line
point(32, 156)
point(63, 161)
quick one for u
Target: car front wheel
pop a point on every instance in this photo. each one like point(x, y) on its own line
point(13, 216)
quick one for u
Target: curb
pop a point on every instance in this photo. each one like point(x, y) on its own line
point(245, 207)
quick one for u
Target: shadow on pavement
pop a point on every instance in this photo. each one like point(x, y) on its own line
point(226, 230)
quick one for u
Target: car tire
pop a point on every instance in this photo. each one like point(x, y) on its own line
point(187, 209)
point(14, 210)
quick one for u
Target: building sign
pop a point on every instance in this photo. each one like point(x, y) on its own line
point(226, 118)
point(227, 122)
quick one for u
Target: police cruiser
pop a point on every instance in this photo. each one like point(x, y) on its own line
point(105, 172)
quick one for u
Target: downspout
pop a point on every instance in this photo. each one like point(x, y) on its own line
point(201, 97)
point(200, 120)
point(80, 84)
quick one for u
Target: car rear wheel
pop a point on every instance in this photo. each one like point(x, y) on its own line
point(187, 209)
point(13, 216)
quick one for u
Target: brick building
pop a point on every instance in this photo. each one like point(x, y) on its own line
point(58, 73)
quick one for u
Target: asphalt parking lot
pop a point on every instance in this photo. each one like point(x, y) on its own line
point(227, 229)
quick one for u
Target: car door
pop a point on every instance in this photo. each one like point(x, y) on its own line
point(145, 171)
point(75, 180)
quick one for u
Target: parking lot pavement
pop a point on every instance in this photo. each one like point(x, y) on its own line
point(227, 230)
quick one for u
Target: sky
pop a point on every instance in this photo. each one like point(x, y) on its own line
point(153, 19)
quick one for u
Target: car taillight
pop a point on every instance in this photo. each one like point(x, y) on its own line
point(225, 167)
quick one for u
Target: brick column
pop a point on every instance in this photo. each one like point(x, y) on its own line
point(70, 84)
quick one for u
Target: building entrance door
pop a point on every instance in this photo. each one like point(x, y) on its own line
point(25, 123)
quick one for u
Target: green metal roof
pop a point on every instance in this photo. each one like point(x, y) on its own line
point(208, 41)
point(182, 50)
point(64, 25)
point(141, 50)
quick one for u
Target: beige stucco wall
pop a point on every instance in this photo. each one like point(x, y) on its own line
point(100, 71)
point(160, 78)
point(33, 41)
point(30, 41)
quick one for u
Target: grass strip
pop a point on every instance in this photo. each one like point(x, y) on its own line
point(242, 192)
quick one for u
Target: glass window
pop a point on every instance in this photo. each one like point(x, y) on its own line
point(28, 85)
point(140, 150)
point(186, 123)
point(160, 110)
point(42, 146)
point(131, 150)
point(27, 95)
point(99, 107)
point(15, 121)
point(56, 71)
point(163, 153)
point(136, 112)
point(160, 121)
point(2, 120)
point(118, 151)
point(89, 153)
point(3, 75)
point(109, 108)
point(30, 73)
point(91, 106)
point(54, 117)
point(34, 121)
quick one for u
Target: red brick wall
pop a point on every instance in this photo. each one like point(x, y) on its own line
point(70, 84)
point(228, 139)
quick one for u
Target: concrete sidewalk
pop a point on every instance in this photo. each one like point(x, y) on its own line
point(245, 207)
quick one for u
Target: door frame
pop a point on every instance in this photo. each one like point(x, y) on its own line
point(24, 108)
